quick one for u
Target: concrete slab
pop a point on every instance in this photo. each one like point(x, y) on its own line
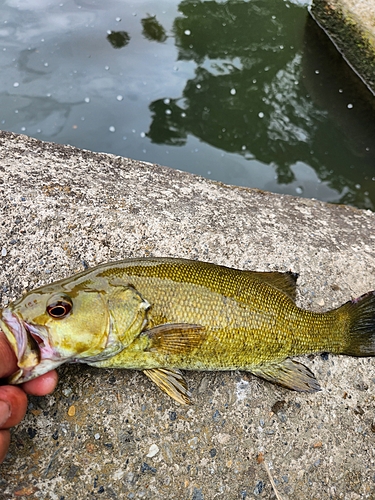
point(112, 434)
point(350, 24)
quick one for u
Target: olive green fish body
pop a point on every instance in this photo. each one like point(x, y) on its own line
point(163, 315)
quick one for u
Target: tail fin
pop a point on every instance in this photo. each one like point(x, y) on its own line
point(361, 334)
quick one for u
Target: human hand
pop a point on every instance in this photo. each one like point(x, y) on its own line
point(13, 399)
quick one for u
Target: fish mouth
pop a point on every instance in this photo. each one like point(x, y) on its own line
point(31, 347)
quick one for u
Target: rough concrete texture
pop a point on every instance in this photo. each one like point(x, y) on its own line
point(112, 434)
point(350, 24)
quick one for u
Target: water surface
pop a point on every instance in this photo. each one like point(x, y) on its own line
point(246, 92)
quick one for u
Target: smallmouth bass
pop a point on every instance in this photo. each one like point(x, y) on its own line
point(163, 315)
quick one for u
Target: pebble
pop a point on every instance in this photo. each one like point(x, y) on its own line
point(72, 411)
point(3, 252)
point(154, 450)
point(259, 488)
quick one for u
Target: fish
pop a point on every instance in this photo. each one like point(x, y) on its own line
point(166, 315)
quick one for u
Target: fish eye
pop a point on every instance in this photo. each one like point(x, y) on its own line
point(60, 308)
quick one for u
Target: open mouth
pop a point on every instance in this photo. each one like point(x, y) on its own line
point(30, 345)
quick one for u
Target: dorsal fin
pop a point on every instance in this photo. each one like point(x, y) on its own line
point(285, 282)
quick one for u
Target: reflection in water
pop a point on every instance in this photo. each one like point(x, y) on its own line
point(118, 39)
point(153, 30)
point(247, 96)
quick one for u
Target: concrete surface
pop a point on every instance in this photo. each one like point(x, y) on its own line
point(350, 24)
point(112, 434)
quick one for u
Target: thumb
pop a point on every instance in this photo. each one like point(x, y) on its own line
point(8, 360)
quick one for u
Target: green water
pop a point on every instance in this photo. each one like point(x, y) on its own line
point(248, 93)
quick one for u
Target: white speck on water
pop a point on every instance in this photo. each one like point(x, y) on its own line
point(49, 94)
point(299, 190)
point(133, 130)
point(243, 148)
point(166, 101)
point(124, 138)
point(112, 129)
point(109, 32)
point(281, 47)
point(255, 80)
point(358, 186)
point(233, 91)
point(3, 252)
point(119, 98)
point(106, 68)
point(199, 86)
point(175, 68)
point(97, 436)
point(168, 112)
point(154, 450)
point(87, 99)
point(39, 130)
point(341, 91)
point(317, 72)
point(208, 172)
point(118, 19)
point(16, 111)
point(46, 64)
point(183, 115)
point(187, 32)
point(261, 114)
point(23, 129)
point(142, 134)
point(16, 84)
point(349, 106)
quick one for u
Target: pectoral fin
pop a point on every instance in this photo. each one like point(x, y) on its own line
point(289, 374)
point(175, 338)
point(172, 382)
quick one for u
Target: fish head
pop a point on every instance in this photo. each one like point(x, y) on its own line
point(62, 323)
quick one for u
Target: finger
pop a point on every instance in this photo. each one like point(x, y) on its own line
point(4, 444)
point(17, 401)
point(8, 364)
point(42, 385)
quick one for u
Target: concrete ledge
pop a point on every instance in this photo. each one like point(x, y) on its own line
point(62, 208)
point(350, 24)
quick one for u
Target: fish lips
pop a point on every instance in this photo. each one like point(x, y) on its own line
point(34, 354)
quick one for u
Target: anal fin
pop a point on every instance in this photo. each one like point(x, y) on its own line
point(290, 374)
point(172, 382)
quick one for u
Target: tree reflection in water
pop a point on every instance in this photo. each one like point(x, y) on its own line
point(248, 94)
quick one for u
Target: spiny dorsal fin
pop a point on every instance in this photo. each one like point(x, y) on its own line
point(289, 374)
point(175, 338)
point(172, 382)
point(285, 282)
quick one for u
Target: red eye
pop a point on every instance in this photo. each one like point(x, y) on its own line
point(59, 309)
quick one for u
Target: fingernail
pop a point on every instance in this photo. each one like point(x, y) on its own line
point(4, 412)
